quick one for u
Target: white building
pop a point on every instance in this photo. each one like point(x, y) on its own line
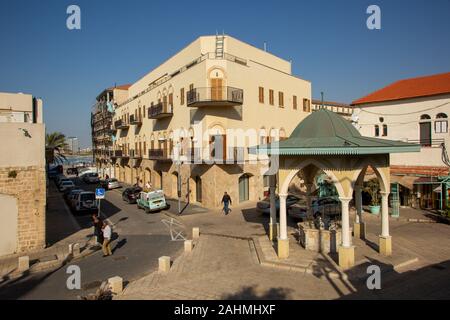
point(412, 110)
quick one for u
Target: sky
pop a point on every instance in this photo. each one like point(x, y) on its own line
point(120, 41)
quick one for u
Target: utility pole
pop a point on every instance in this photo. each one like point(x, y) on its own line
point(321, 93)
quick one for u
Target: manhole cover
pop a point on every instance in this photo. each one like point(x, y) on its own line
point(120, 258)
point(92, 285)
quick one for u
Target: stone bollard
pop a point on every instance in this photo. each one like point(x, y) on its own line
point(74, 249)
point(116, 284)
point(195, 233)
point(164, 263)
point(24, 264)
point(188, 246)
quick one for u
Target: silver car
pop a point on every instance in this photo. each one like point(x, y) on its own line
point(112, 184)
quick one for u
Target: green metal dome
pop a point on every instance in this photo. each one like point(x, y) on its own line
point(326, 133)
point(324, 124)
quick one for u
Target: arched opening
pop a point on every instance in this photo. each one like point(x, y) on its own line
point(441, 123)
point(244, 187)
point(174, 184)
point(425, 130)
point(198, 189)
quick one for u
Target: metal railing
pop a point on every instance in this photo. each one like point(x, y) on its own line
point(215, 95)
point(137, 120)
point(158, 154)
point(435, 143)
point(159, 110)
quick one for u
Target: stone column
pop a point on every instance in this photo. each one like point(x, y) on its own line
point(385, 240)
point(359, 228)
point(283, 240)
point(273, 210)
point(346, 250)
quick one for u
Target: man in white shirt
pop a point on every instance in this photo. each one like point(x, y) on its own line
point(107, 232)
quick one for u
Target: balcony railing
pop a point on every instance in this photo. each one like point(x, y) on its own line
point(159, 111)
point(159, 154)
point(431, 143)
point(119, 124)
point(215, 96)
point(135, 154)
point(117, 154)
point(136, 120)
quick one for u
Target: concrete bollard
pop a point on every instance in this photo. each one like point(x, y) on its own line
point(164, 263)
point(24, 263)
point(74, 249)
point(188, 246)
point(116, 284)
point(195, 233)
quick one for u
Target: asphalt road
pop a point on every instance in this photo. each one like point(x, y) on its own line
point(140, 240)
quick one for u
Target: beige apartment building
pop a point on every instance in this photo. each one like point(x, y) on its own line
point(186, 125)
point(101, 126)
point(22, 173)
point(342, 109)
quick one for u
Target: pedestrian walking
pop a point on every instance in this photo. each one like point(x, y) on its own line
point(226, 200)
point(107, 233)
point(98, 225)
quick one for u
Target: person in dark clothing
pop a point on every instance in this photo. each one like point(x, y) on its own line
point(98, 223)
point(226, 200)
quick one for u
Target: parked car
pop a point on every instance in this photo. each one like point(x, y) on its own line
point(91, 178)
point(152, 201)
point(131, 194)
point(59, 177)
point(298, 211)
point(326, 207)
point(72, 171)
point(109, 184)
point(263, 206)
point(85, 202)
point(66, 185)
point(70, 193)
point(72, 198)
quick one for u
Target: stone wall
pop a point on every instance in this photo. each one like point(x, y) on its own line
point(29, 188)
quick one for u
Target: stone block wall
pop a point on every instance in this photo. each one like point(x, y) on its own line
point(29, 188)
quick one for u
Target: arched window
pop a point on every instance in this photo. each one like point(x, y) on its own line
point(425, 117)
point(377, 130)
point(385, 130)
point(441, 124)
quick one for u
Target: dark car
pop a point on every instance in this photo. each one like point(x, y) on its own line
point(72, 171)
point(131, 194)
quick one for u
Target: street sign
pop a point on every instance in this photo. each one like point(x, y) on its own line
point(99, 193)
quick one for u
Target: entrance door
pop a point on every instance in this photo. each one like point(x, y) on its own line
point(216, 89)
point(425, 134)
point(198, 189)
point(243, 188)
point(8, 226)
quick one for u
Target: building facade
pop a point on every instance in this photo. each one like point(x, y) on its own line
point(22, 173)
point(186, 125)
point(342, 109)
point(101, 126)
point(73, 146)
point(413, 110)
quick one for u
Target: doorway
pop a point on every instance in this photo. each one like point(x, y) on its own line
point(243, 188)
point(198, 189)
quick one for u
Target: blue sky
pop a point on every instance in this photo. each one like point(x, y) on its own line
point(120, 41)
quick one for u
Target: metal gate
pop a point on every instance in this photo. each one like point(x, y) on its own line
point(395, 199)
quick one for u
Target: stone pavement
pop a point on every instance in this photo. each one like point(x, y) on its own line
point(226, 263)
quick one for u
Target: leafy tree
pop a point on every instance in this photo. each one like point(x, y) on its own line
point(373, 188)
point(55, 143)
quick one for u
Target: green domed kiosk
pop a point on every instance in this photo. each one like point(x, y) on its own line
point(325, 141)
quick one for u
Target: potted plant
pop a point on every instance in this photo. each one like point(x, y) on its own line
point(373, 188)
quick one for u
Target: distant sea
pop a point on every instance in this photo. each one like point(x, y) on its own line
point(72, 160)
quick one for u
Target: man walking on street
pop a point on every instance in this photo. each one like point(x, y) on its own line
point(226, 200)
point(107, 232)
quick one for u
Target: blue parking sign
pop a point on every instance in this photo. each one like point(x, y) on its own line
point(100, 193)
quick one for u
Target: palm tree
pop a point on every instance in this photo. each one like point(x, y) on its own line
point(55, 143)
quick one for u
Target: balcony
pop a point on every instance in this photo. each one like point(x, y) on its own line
point(215, 96)
point(160, 111)
point(117, 154)
point(135, 154)
point(135, 120)
point(159, 154)
point(119, 124)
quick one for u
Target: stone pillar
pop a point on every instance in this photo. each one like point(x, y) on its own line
point(188, 246)
point(385, 240)
point(116, 284)
point(23, 263)
point(164, 264)
point(359, 228)
point(283, 240)
point(273, 232)
point(346, 250)
point(195, 233)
